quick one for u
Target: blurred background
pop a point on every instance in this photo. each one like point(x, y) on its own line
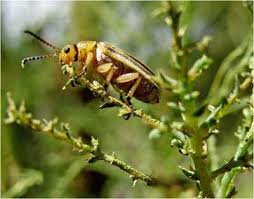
point(132, 27)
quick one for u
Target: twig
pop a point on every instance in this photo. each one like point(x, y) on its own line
point(243, 162)
point(226, 181)
point(245, 142)
point(178, 55)
point(214, 159)
point(22, 117)
point(224, 67)
point(125, 109)
point(223, 107)
point(241, 156)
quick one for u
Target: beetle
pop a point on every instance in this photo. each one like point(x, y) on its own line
point(113, 65)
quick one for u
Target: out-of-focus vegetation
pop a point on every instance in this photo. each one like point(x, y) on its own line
point(36, 165)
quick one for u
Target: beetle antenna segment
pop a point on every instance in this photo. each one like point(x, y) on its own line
point(27, 59)
point(42, 40)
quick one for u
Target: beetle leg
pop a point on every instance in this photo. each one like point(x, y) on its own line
point(126, 78)
point(106, 69)
point(86, 64)
point(109, 78)
point(89, 60)
point(133, 88)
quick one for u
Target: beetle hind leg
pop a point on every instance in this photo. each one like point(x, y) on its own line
point(133, 88)
point(125, 78)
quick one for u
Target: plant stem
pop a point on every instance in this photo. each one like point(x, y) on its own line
point(214, 159)
point(241, 157)
point(204, 178)
point(224, 67)
point(232, 164)
point(22, 117)
point(226, 181)
point(198, 145)
point(200, 162)
point(125, 108)
point(135, 174)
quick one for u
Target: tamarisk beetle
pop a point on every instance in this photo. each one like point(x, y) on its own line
point(111, 64)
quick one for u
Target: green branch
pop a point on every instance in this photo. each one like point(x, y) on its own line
point(241, 157)
point(224, 106)
point(187, 96)
point(21, 117)
point(226, 182)
point(228, 63)
point(125, 110)
point(243, 162)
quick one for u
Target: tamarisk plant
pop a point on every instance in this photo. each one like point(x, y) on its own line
point(24, 118)
point(195, 130)
point(199, 120)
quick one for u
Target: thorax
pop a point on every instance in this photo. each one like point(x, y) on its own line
point(85, 47)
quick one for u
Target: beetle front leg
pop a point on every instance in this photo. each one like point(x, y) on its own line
point(69, 69)
point(85, 65)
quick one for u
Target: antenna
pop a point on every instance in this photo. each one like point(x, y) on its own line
point(27, 59)
point(43, 41)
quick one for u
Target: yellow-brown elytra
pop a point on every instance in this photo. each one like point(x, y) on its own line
point(113, 65)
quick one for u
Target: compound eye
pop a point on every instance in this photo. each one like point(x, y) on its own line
point(67, 49)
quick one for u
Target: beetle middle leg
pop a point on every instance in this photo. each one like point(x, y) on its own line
point(108, 70)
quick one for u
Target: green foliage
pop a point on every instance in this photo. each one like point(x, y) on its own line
point(205, 73)
point(27, 179)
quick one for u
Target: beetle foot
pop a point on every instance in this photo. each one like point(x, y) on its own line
point(128, 101)
point(74, 81)
point(126, 113)
point(71, 81)
point(127, 116)
point(122, 96)
point(73, 84)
